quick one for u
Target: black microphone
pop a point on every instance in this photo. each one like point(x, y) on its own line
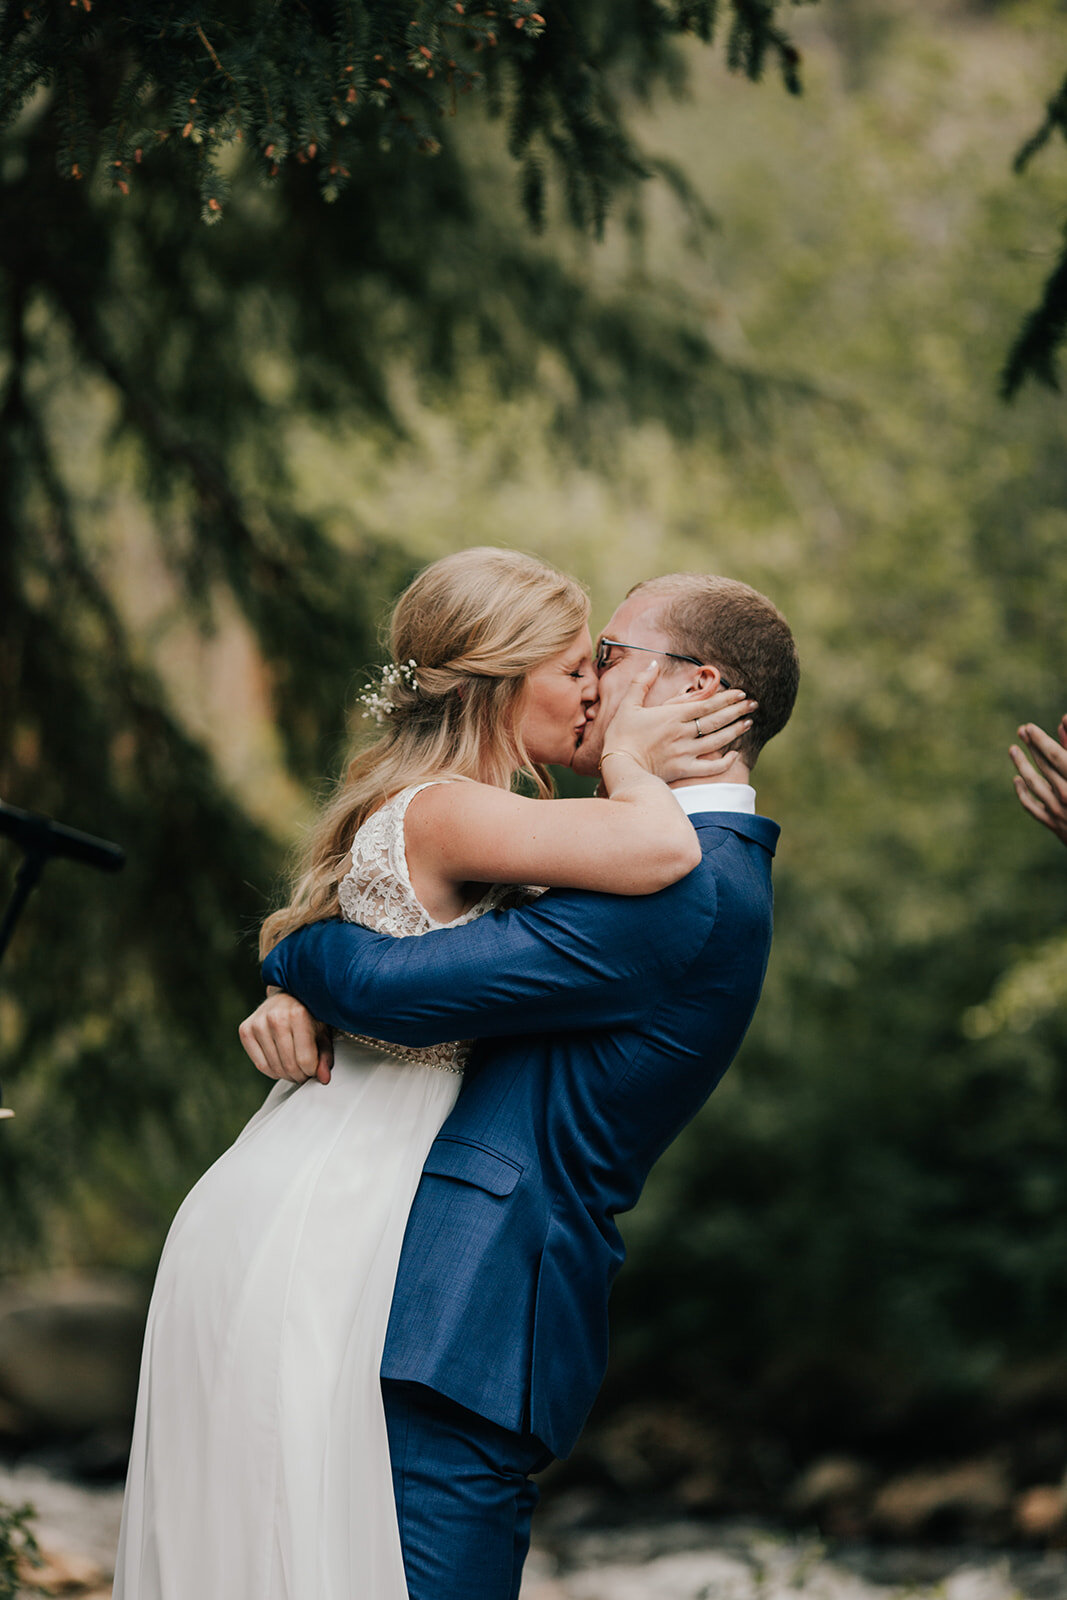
point(40, 836)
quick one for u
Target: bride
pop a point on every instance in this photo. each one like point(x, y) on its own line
point(259, 1468)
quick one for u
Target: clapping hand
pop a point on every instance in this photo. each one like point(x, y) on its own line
point(1041, 781)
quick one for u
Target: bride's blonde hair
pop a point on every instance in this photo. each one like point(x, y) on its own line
point(474, 624)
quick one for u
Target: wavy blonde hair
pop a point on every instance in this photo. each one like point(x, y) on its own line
point(475, 624)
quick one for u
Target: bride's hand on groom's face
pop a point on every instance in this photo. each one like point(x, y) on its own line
point(283, 1040)
point(683, 737)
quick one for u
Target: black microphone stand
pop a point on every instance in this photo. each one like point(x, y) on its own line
point(40, 839)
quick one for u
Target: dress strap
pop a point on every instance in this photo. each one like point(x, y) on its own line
point(392, 814)
point(403, 798)
point(389, 821)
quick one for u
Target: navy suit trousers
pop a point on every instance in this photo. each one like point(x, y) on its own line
point(464, 1496)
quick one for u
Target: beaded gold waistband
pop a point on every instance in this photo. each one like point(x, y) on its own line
point(443, 1057)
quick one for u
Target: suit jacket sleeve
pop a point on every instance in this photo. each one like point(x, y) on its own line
point(572, 960)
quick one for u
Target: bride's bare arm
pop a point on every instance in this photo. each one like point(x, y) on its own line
point(635, 841)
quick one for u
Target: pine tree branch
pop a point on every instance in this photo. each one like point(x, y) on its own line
point(1044, 329)
point(1034, 352)
point(170, 441)
point(71, 563)
point(1055, 119)
point(302, 84)
point(13, 404)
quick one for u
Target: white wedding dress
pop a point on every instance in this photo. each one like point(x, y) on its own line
point(260, 1463)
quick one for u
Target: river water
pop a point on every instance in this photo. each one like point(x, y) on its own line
point(78, 1526)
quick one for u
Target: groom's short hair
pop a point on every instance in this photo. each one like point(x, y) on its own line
point(730, 625)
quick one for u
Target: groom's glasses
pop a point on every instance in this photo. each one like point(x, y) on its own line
point(606, 646)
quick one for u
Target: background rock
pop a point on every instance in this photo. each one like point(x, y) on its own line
point(834, 1492)
point(70, 1347)
point(1041, 1513)
point(970, 1499)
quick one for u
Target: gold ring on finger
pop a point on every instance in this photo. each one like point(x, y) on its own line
point(697, 721)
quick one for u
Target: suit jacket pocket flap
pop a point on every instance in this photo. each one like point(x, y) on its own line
point(474, 1164)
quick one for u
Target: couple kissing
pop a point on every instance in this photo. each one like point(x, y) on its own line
point(384, 1309)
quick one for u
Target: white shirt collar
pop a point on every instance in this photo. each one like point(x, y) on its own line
point(697, 797)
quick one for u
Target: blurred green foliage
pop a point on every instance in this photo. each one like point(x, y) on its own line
point(18, 1551)
point(157, 378)
point(865, 1233)
point(866, 1224)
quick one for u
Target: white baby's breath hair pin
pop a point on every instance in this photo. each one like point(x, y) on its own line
point(376, 700)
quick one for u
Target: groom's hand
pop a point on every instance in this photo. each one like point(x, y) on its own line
point(283, 1040)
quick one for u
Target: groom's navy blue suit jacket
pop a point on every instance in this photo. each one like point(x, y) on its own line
point(604, 1022)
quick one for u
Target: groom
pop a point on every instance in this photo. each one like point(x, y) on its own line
point(605, 1022)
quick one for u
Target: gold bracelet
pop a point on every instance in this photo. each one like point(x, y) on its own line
point(608, 753)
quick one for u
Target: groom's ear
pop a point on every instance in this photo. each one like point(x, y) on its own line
point(696, 683)
point(704, 682)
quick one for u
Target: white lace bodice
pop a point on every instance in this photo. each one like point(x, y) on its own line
point(377, 892)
